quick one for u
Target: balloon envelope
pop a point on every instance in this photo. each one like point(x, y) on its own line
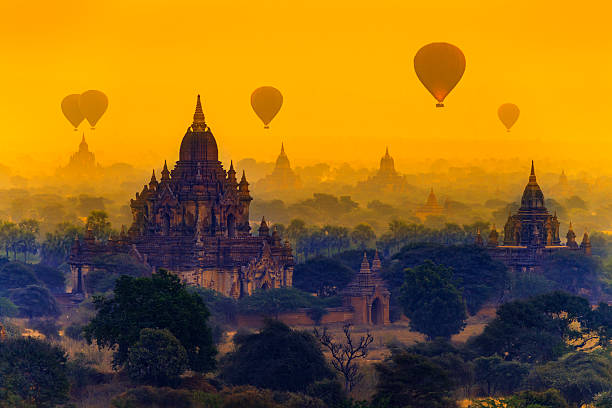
point(266, 102)
point(508, 114)
point(93, 104)
point(439, 67)
point(71, 110)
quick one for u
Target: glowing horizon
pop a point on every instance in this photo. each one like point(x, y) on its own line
point(345, 71)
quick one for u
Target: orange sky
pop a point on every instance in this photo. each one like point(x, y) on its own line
point(345, 71)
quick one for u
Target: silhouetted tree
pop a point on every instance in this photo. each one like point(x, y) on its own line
point(160, 302)
point(345, 352)
point(432, 302)
point(277, 358)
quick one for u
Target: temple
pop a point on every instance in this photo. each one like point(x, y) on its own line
point(532, 234)
point(386, 179)
point(194, 221)
point(366, 296)
point(82, 163)
point(430, 208)
point(282, 177)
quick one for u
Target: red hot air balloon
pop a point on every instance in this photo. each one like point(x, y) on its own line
point(439, 67)
point(93, 104)
point(71, 110)
point(508, 113)
point(266, 102)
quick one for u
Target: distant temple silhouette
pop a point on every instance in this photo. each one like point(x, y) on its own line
point(82, 163)
point(386, 179)
point(430, 208)
point(194, 222)
point(282, 177)
point(532, 234)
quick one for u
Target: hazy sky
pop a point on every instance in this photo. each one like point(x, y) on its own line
point(345, 69)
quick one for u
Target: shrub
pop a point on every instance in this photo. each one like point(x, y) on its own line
point(34, 371)
point(158, 358)
point(34, 301)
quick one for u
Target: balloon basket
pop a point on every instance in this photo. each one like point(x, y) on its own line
point(266, 127)
point(439, 105)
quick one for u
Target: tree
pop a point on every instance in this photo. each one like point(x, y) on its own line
point(432, 302)
point(7, 308)
point(323, 276)
point(53, 278)
point(363, 236)
point(157, 358)
point(574, 271)
point(540, 329)
point(412, 381)
point(33, 370)
point(498, 376)
point(100, 226)
point(345, 353)
point(161, 302)
point(525, 399)
point(277, 358)
point(34, 301)
point(479, 277)
point(273, 302)
point(578, 376)
point(27, 233)
point(55, 249)
point(16, 275)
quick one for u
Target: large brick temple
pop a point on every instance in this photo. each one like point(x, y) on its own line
point(532, 234)
point(194, 222)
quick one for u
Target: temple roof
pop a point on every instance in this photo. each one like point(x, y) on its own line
point(199, 144)
point(387, 164)
point(533, 198)
point(282, 161)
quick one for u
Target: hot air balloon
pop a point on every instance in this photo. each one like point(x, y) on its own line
point(93, 104)
point(266, 102)
point(508, 114)
point(70, 107)
point(439, 67)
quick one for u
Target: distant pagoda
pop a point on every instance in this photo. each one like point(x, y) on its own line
point(282, 177)
point(532, 234)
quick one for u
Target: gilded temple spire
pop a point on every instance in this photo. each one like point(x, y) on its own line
point(199, 122)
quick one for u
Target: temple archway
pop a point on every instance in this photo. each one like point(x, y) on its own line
point(377, 312)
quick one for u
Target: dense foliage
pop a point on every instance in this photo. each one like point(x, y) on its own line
point(478, 276)
point(413, 381)
point(161, 302)
point(540, 329)
point(431, 301)
point(157, 358)
point(32, 371)
point(323, 276)
point(277, 358)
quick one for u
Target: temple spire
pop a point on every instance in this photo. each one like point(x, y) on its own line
point(165, 172)
point(282, 148)
point(153, 179)
point(199, 123)
point(387, 151)
point(532, 176)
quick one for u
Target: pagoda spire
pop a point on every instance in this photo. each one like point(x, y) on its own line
point(199, 122)
point(165, 172)
point(282, 148)
point(153, 179)
point(532, 176)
